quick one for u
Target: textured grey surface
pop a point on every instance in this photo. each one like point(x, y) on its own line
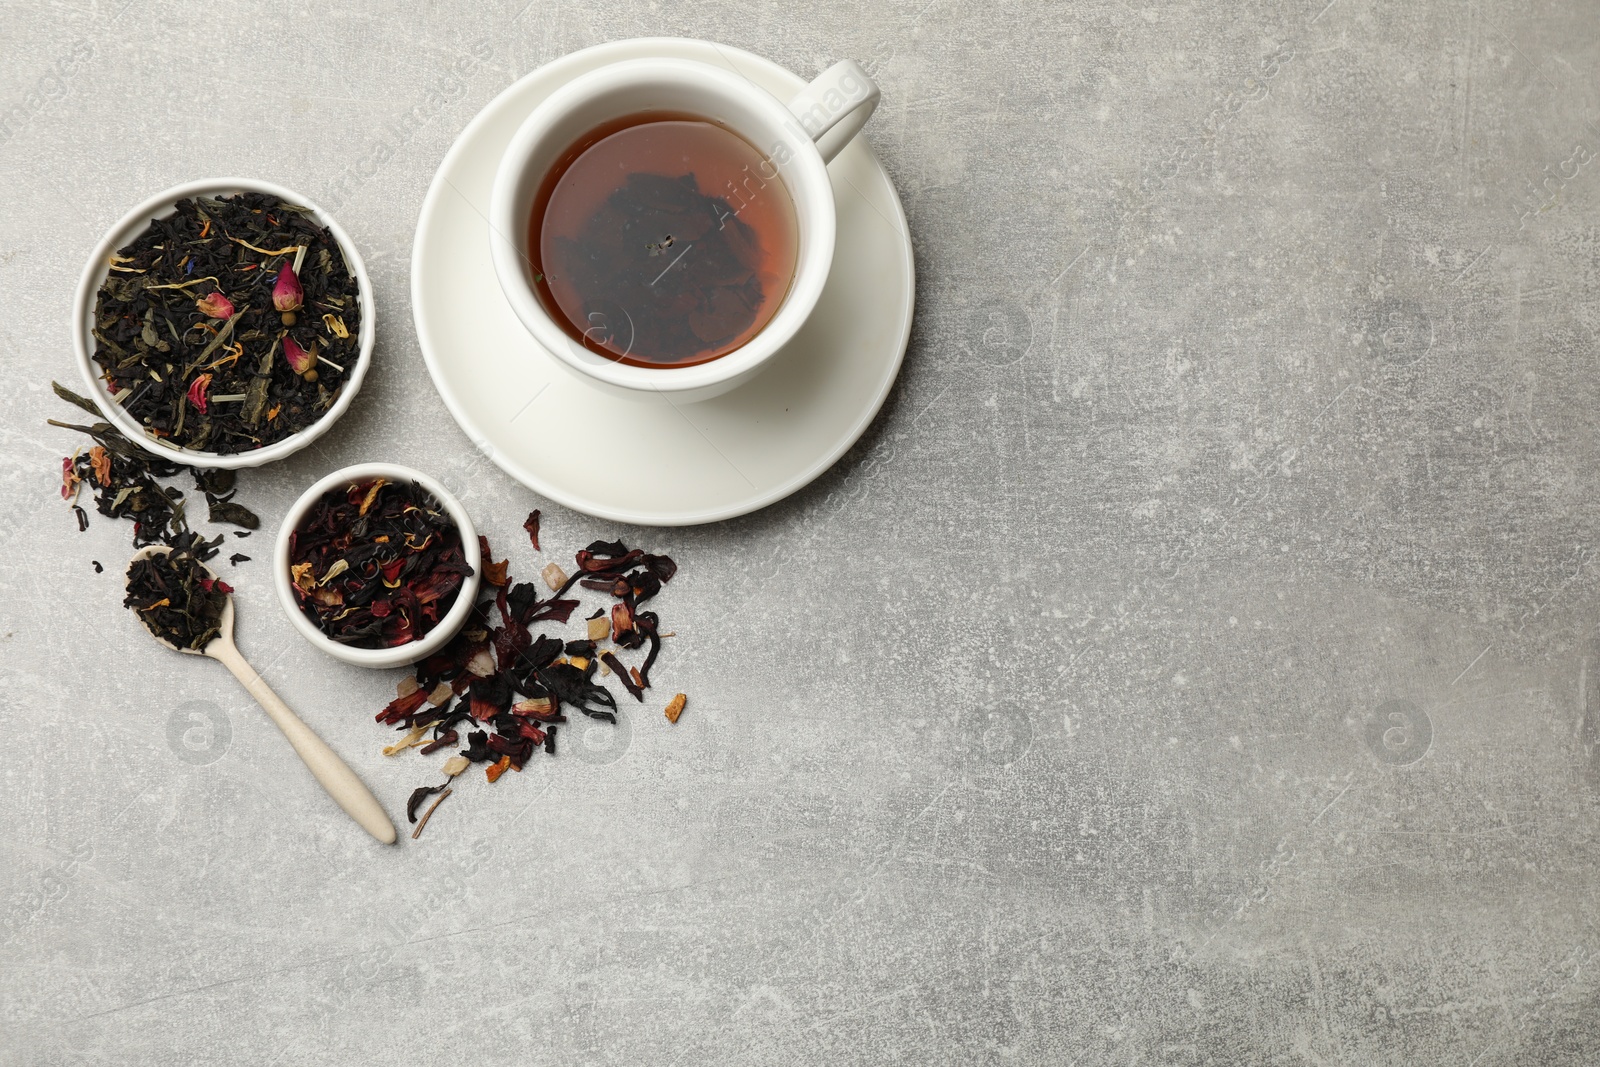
point(1194, 664)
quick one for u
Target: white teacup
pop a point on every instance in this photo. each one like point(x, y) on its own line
point(797, 138)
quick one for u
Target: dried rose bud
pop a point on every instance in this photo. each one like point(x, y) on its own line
point(287, 294)
point(300, 360)
point(216, 306)
point(197, 392)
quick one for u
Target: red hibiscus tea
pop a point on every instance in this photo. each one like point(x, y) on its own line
point(663, 240)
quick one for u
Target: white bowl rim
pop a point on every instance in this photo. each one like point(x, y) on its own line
point(130, 226)
point(400, 655)
point(798, 304)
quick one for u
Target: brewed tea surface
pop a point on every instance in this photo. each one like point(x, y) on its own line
point(664, 241)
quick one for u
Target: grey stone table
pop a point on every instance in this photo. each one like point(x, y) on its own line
point(1195, 663)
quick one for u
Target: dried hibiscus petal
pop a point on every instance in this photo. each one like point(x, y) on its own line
point(610, 660)
point(418, 795)
point(531, 524)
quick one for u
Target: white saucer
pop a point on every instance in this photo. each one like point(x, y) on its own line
point(649, 461)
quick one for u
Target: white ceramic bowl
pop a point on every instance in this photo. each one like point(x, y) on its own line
point(400, 655)
point(129, 228)
point(674, 85)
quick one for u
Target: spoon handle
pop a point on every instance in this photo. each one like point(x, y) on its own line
point(336, 777)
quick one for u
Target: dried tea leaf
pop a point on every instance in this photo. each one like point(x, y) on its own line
point(236, 514)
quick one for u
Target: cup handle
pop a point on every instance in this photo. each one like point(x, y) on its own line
point(833, 108)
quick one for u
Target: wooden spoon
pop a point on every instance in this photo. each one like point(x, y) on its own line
point(336, 777)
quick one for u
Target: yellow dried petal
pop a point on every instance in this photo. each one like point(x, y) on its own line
point(372, 494)
point(413, 738)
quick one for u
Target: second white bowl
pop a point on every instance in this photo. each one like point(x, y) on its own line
point(400, 655)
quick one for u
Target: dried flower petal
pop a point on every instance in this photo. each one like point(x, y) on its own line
point(538, 707)
point(299, 359)
point(621, 622)
point(531, 524)
point(373, 489)
point(69, 479)
point(675, 707)
point(100, 460)
point(216, 306)
point(414, 736)
point(493, 573)
point(286, 292)
point(197, 392)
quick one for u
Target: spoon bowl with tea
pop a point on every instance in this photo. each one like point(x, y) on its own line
point(201, 616)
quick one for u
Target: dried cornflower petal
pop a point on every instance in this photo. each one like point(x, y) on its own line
point(554, 576)
point(675, 707)
point(286, 292)
point(215, 305)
